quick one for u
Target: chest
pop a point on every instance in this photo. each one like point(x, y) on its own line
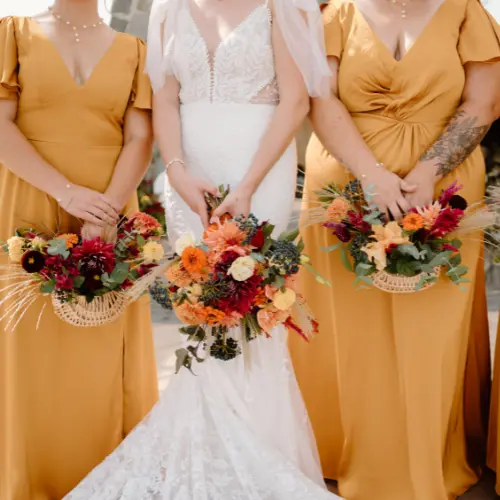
point(234, 68)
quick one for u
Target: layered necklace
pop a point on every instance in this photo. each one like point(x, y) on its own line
point(76, 29)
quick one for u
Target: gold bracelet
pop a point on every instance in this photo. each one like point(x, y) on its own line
point(378, 165)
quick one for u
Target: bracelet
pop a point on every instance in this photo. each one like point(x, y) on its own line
point(59, 200)
point(377, 165)
point(175, 160)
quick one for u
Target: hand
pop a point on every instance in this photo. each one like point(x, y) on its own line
point(90, 206)
point(92, 231)
point(387, 191)
point(425, 180)
point(192, 190)
point(237, 203)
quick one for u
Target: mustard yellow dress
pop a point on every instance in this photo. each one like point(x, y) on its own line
point(397, 386)
point(68, 395)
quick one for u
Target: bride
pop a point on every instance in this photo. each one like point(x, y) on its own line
point(232, 81)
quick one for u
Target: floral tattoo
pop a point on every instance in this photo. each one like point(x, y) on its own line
point(460, 138)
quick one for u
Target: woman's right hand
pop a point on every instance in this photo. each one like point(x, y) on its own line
point(192, 190)
point(387, 191)
point(90, 206)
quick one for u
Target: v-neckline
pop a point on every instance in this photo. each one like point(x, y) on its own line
point(63, 62)
point(418, 39)
point(232, 32)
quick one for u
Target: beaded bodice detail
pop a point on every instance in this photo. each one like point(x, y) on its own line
point(240, 70)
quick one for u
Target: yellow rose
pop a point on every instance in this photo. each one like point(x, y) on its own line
point(15, 246)
point(242, 268)
point(185, 241)
point(152, 252)
point(38, 243)
point(284, 300)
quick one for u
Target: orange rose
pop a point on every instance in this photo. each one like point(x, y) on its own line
point(214, 316)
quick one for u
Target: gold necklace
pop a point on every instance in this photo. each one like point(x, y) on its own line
point(75, 28)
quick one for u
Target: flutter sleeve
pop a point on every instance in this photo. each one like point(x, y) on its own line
point(9, 85)
point(334, 38)
point(479, 35)
point(141, 91)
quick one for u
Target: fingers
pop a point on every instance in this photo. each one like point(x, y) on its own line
point(208, 188)
point(202, 212)
point(92, 218)
point(403, 204)
point(407, 187)
point(395, 211)
point(221, 210)
point(111, 205)
point(101, 214)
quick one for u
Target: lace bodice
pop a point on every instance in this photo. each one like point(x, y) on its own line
point(240, 70)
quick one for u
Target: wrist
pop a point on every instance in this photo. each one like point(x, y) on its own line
point(61, 190)
point(369, 171)
point(248, 187)
point(428, 170)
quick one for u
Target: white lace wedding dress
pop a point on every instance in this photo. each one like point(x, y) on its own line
point(238, 430)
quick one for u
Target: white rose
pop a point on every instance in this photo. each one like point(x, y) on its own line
point(15, 246)
point(152, 252)
point(185, 241)
point(284, 300)
point(242, 268)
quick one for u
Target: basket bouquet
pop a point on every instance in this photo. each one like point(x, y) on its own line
point(399, 256)
point(90, 282)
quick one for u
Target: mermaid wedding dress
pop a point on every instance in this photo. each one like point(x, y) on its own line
point(237, 430)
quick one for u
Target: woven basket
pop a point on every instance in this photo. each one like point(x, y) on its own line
point(100, 311)
point(397, 283)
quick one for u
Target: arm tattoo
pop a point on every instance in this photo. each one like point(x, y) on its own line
point(459, 139)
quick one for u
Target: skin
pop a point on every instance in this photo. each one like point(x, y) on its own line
point(480, 108)
point(96, 210)
point(217, 19)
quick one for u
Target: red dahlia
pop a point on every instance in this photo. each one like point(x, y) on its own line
point(447, 221)
point(240, 295)
point(95, 257)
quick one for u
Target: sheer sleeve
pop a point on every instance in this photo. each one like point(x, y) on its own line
point(141, 91)
point(302, 29)
point(161, 37)
point(333, 30)
point(479, 36)
point(9, 85)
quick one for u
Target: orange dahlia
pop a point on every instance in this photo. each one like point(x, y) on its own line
point(413, 222)
point(214, 316)
point(177, 275)
point(194, 260)
point(191, 314)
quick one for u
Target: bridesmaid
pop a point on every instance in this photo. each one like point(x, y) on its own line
point(395, 383)
point(75, 124)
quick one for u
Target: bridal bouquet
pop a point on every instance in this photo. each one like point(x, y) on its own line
point(405, 256)
point(90, 281)
point(236, 284)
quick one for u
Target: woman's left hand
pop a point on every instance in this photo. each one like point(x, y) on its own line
point(237, 203)
point(92, 231)
point(425, 179)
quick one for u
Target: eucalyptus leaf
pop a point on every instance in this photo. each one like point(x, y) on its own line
point(119, 273)
point(410, 250)
point(345, 258)
point(332, 248)
point(47, 287)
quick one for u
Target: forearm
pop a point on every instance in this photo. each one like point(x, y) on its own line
point(22, 159)
point(280, 132)
point(460, 138)
point(167, 131)
point(130, 169)
point(336, 130)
